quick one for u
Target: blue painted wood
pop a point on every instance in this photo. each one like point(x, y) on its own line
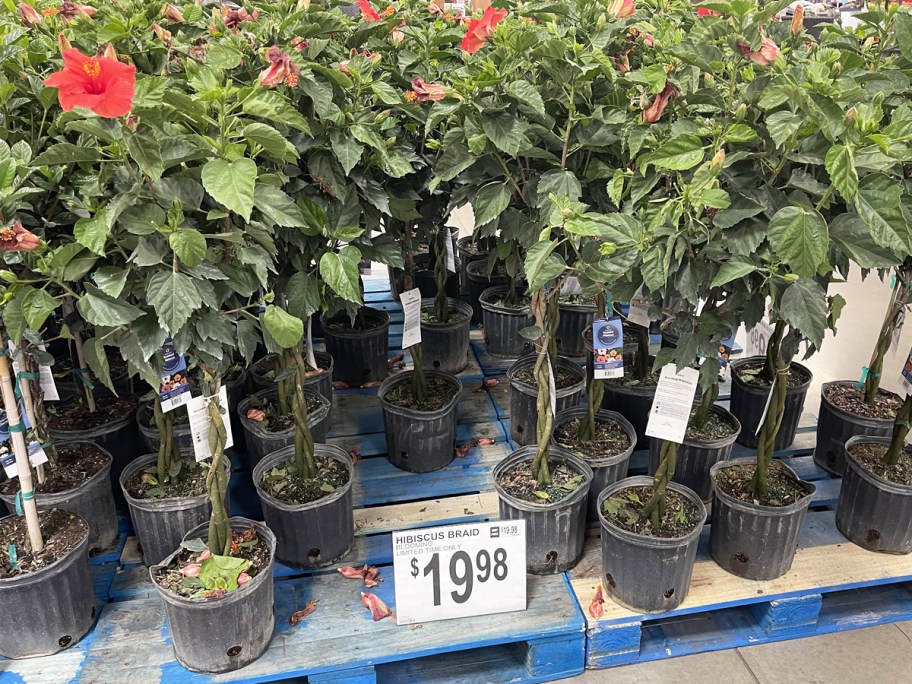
point(355, 675)
point(789, 617)
point(613, 644)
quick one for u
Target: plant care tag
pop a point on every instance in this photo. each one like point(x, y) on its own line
point(411, 310)
point(906, 377)
point(36, 454)
point(311, 359)
point(758, 338)
point(897, 331)
point(459, 571)
point(769, 400)
point(8, 460)
point(45, 375)
point(674, 398)
point(570, 287)
point(552, 387)
point(174, 389)
point(451, 256)
point(608, 348)
point(725, 350)
point(638, 314)
point(198, 408)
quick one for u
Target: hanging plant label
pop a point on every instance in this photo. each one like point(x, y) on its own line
point(608, 348)
point(766, 408)
point(411, 313)
point(451, 257)
point(36, 454)
point(8, 461)
point(198, 408)
point(174, 390)
point(45, 376)
point(906, 375)
point(570, 287)
point(674, 398)
point(638, 314)
point(725, 349)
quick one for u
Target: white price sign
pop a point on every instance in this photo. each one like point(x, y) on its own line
point(459, 571)
point(758, 339)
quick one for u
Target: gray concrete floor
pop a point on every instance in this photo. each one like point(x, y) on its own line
point(881, 653)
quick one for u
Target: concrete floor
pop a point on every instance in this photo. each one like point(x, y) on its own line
point(882, 653)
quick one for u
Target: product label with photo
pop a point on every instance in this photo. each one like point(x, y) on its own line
point(608, 348)
point(175, 385)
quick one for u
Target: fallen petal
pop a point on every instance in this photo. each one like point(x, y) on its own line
point(369, 583)
point(338, 384)
point(595, 608)
point(350, 573)
point(355, 453)
point(204, 555)
point(370, 573)
point(372, 383)
point(299, 615)
point(463, 450)
point(191, 570)
point(378, 608)
point(393, 361)
point(483, 441)
point(243, 578)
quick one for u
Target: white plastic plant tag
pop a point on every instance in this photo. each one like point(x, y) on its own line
point(411, 310)
point(638, 313)
point(608, 348)
point(45, 376)
point(36, 454)
point(769, 400)
point(906, 376)
point(8, 461)
point(674, 398)
point(758, 338)
point(897, 331)
point(552, 387)
point(311, 359)
point(451, 257)
point(570, 287)
point(198, 408)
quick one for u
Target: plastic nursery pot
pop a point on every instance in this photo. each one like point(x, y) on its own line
point(524, 397)
point(753, 541)
point(643, 573)
point(605, 471)
point(634, 403)
point(161, 523)
point(573, 320)
point(554, 531)
point(426, 281)
point(465, 248)
point(314, 534)
point(152, 440)
point(222, 635)
point(261, 441)
point(874, 513)
point(445, 346)
point(50, 609)
point(93, 501)
point(477, 281)
point(696, 457)
point(360, 355)
point(322, 381)
point(836, 426)
point(419, 441)
point(502, 325)
point(748, 402)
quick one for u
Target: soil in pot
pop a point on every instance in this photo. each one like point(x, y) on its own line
point(265, 411)
point(74, 417)
point(287, 486)
point(186, 575)
point(190, 480)
point(563, 378)
point(341, 324)
point(439, 394)
point(751, 374)
point(851, 399)
point(610, 439)
point(783, 488)
point(430, 316)
point(62, 533)
point(76, 464)
point(651, 379)
point(871, 454)
point(519, 483)
point(625, 511)
point(265, 368)
point(718, 426)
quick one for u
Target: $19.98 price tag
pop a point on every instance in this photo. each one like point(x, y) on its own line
point(459, 571)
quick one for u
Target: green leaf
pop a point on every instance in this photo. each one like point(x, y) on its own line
point(98, 308)
point(679, 154)
point(340, 272)
point(902, 25)
point(544, 496)
point(840, 165)
point(189, 245)
point(386, 93)
point(72, 261)
point(531, 333)
point(505, 131)
point(272, 107)
point(286, 330)
point(526, 94)
point(303, 295)
point(221, 572)
point(347, 150)
point(542, 264)
point(490, 202)
point(98, 362)
point(804, 307)
point(878, 203)
point(800, 237)
point(194, 545)
point(175, 297)
point(559, 183)
point(92, 233)
point(737, 267)
point(66, 153)
point(783, 125)
point(849, 234)
point(278, 207)
point(275, 144)
point(231, 184)
point(454, 159)
point(739, 133)
point(616, 187)
point(111, 280)
point(37, 305)
point(143, 219)
point(146, 152)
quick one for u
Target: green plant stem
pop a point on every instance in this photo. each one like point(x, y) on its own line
point(441, 310)
point(419, 382)
point(655, 507)
point(710, 395)
point(772, 352)
point(541, 469)
point(216, 480)
point(900, 430)
point(759, 484)
point(283, 386)
point(899, 300)
point(304, 443)
point(168, 451)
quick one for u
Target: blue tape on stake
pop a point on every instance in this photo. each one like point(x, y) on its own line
point(893, 282)
point(83, 375)
point(20, 497)
point(18, 427)
point(13, 556)
point(864, 376)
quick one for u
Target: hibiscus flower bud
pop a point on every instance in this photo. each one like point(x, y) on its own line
point(718, 160)
point(621, 9)
point(397, 36)
point(172, 13)
point(149, 479)
point(851, 115)
point(243, 578)
point(741, 112)
point(654, 112)
point(797, 20)
point(790, 277)
point(110, 52)
point(29, 15)
point(765, 56)
point(191, 570)
point(16, 238)
point(258, 415)
point(163, 35)
point(63, 43)
point(607, 248)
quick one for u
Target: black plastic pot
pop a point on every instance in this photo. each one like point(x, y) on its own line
point(322, 382)
point(574, 319)
point(419, 441)
point(502, 325)
point(120, 438)
point(696, 458)
point(151, 438)
point(262, 442)
point(466, 257)
point(49, 610)
point(360, 355)
point(314, 534)
point(634, 403)
point(225, 634)
point(836, 426)
point(554, 531)
point(477, 281)
point(647, 574)
point(753, 541)
point(424, 279)
point(605, 471)
point(524, 398)
point(874, 513)
point(93, 501)
point(748, 402)
point(160, 524)
point(445, 346)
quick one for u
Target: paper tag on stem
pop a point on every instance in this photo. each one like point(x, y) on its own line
point(673, 401)
point(638, 313)
point(36, 454)
point(198, 408)
point(906, 375)
point(769, 400)
point(411, 310)
point(451, 257)
point(311, 359)
point(552, 387)
point(45, 376)
point(758, 338)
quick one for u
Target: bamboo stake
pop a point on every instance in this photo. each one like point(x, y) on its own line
point(28, 401)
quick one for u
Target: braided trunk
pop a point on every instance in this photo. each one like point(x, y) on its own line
point(540, 467)
point(777, 373)
point(900, 429)
point(899, 300)
point(655, 507)
point(217, 480)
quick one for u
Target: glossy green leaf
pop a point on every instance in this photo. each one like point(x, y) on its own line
point(800, 238)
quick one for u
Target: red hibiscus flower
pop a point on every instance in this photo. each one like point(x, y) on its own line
point(765, 56)
point(621, 9)
point(281, 69)
point(654, 112)
point(101, 84)
point(704, 12)
point(427, 91)
point(479, 29)
point(368, 12)
point(18, 239)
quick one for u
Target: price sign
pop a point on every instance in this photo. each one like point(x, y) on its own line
point(758, 339)
point(459, 571)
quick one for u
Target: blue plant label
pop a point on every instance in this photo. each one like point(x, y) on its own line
point(36, 454)
point(608, 348)
point(175, 385)
point(8, 461)
point(907, 374)
point(725, 349)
